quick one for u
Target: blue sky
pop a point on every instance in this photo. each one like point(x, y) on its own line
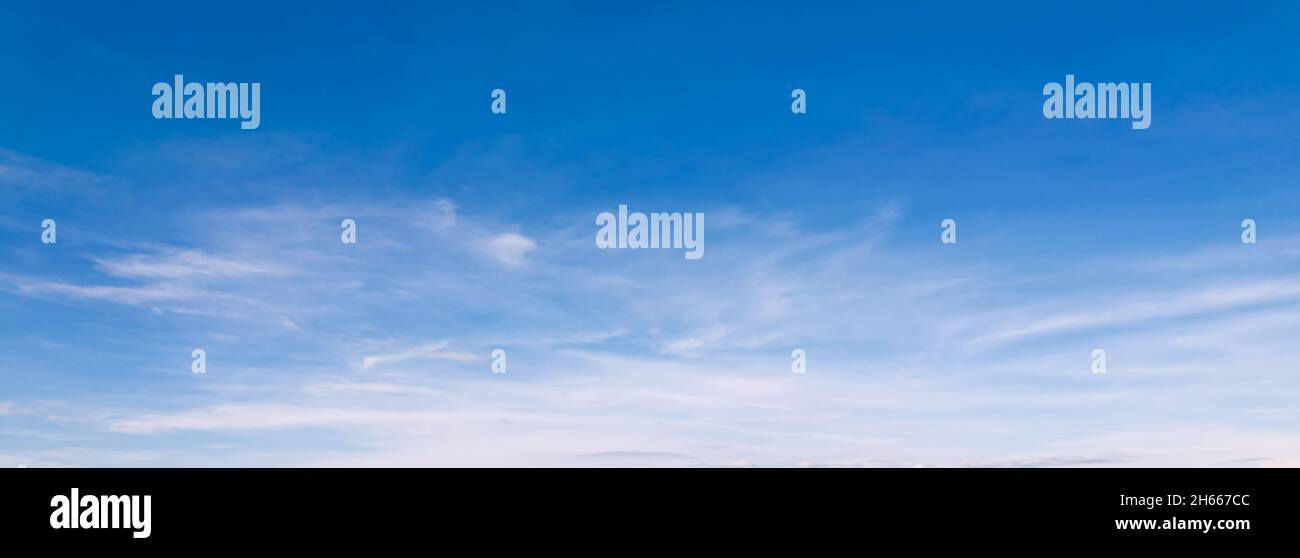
point(475, 232)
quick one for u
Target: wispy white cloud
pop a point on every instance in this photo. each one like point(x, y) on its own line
point(913, 359)
point(701, 373)
point(1142, 308)
point(508, 248)
point(22, 171)
point(434, 350)
point(608, 408)
point(125, 295)
point(183, 264)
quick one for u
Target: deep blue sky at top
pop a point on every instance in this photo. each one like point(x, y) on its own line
point(648, 97)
